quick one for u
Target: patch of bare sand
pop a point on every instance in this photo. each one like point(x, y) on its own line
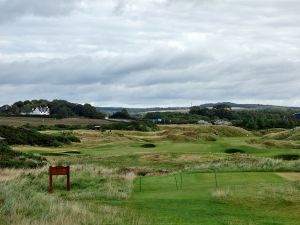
point(290, 176)
point(155, 157)
point(189, 158)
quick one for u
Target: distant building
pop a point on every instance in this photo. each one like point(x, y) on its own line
point(2, 139)
point(223, 122)
point(157, 120)
point(38, 111)
point(297, 115)
point(203, 122)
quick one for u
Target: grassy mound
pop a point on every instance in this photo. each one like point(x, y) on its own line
point(274, 143)
point(201, 132)
point(24, 136)
point(13, 159)
point(292, 134)
point(224, 131)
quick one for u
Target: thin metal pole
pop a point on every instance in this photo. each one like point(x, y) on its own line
point(176, 181)
point(180, 180)
point(140, 183)
point(217, 186)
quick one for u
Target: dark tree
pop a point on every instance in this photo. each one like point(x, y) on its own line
point(123, 114)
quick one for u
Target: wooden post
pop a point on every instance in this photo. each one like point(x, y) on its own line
point(50, 181)
point(68, 178)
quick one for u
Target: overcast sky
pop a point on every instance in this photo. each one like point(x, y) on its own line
point(150, 52)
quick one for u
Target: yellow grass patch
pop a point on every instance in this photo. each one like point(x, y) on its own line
point(10, 174)
point(189, 158)
point(290, 176)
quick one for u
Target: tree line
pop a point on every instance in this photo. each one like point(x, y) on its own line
point(58, 109)
point(248, 118)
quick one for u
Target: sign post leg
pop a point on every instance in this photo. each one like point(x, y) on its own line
point(68, 182)
point(50, 182)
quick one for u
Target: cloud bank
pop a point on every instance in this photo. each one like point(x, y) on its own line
point(150, 52)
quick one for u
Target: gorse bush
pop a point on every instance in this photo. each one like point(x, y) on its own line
point(288, 157)
point(149, 145)
point(134, 125)
point(54, 127)
point(24, 136)
point(13, 159)
point(233, 151)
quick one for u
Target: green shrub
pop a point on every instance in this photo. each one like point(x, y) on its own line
point(13, 159)
point(149, 145)
point(232, 151)
point(25, 136)
point(132, 126)
point(288, 157)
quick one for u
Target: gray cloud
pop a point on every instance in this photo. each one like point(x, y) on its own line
point(151, 52)
point(13, 9)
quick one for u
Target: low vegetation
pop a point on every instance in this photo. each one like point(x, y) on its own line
point(24, 136)
point(51, 123)
point(14, 159)
point(131, 126)
point(233, 150)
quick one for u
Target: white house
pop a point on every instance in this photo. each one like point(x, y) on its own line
point(223, 122)
point(38, 111)
point(203, 122)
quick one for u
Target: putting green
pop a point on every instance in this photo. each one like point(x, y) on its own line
point(242, 198)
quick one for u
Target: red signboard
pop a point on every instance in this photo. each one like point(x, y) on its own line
point(59, 170)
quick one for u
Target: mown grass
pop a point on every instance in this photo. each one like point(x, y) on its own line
point(241, 198)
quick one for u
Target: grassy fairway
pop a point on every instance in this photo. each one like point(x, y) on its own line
point(242, 198)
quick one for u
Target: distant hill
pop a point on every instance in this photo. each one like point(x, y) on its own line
point(248, 106)
point(111, 110)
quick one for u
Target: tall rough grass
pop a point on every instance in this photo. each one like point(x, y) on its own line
point(281, 194)
point(247, 163)
point(25, 199)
